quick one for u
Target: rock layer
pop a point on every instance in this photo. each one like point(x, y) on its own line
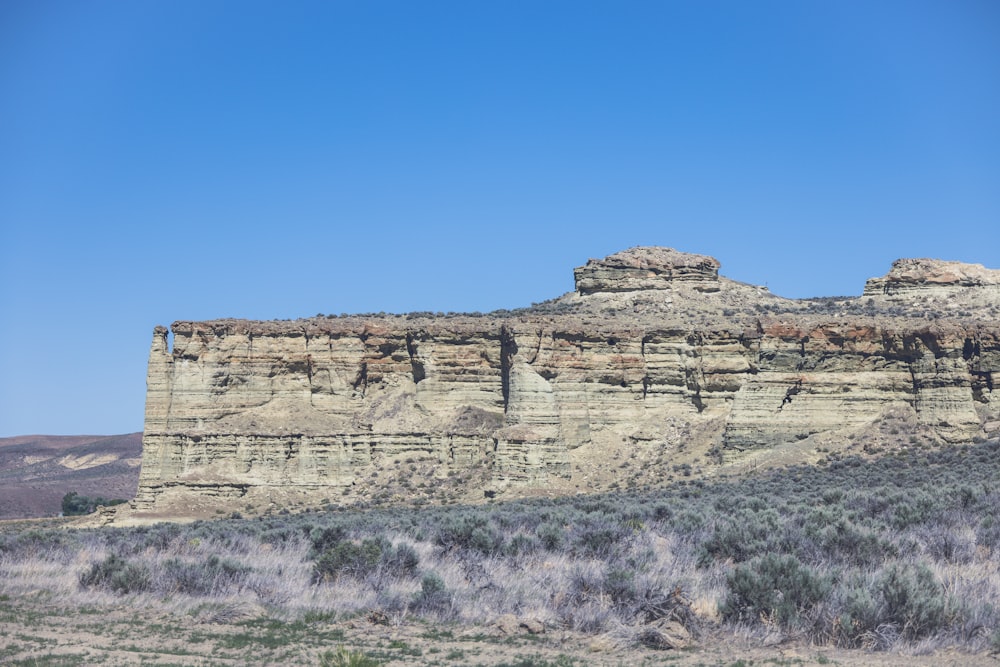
point(645, 269)
point(654, 351)
point(909, 277)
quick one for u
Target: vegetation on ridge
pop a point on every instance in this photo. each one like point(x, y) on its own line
point(73, 504)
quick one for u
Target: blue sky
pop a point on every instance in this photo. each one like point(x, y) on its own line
point(193, 160)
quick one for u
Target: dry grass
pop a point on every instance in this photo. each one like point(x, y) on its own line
point(904, 550)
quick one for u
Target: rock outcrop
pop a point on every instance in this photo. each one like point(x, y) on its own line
point(917, 277)
point(638, 269)
point(655, 360)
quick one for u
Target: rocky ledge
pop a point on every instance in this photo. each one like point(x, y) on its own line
point(909, 277)
point(638, 269)
point(655, 367)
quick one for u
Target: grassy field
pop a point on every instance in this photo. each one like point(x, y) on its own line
point(855, 562)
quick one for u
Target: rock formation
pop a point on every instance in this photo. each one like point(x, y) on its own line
point(654, 359)
point(910, 277)
point(639, 269)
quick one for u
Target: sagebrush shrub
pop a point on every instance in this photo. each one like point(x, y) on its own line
point(433, 597)
point(348, 558)
point(601, 539)
point(773, 587)
point(619, 585)
point(117, 575)
point(913, 600)
point(473, 533)
point(401, 561)
point(362, 559)
point(739, 537)
point(323, 539)
point(551, 536)
point(848, 544)
point(857, 612)
point(201, 578)
point(521, 545)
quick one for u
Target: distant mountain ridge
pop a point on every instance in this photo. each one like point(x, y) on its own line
point(36, 471)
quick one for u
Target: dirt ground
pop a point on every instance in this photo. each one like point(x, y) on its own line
point(35, 630)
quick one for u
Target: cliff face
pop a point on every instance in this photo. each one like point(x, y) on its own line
point(654, 359)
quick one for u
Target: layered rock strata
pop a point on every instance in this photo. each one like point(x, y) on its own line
point(653, 350)
point(929, 277)
point(647, 269)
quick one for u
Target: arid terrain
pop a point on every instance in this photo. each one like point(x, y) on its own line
point(863, 559)
point(44, 634)
point(36, 471)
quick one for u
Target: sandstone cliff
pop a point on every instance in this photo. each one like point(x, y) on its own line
point(655, 364)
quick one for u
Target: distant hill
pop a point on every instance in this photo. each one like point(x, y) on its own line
point(36, 471)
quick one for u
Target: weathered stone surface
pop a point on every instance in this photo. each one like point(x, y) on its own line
point(830, 377)
point(656, 359)
point(645, 269)
point(909, 277)
point(669, 634)
point(509, 625)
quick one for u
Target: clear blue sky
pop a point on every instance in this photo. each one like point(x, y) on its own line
point(193, 160)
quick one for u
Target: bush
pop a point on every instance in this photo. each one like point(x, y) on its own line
point(851, 545)
point(740, 537)
point(195, 578)
point(365, 558)
point(913, 600)
point(117, 575)
point(433, 597)
point(472, 533)
point(857, 616)
point(348, 558)
point(325, 538)
point(73, 504)
point(521, 545)
point(912, 509)
point(602, 538)
point(901, 601)
point(550, 535)
point(619, 585)
point(35, 543)
point(401, 561)
point(583, 607)
point(776, 588)
point(344, 658)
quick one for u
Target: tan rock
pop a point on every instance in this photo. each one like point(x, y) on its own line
point(921, 275)
point(507, 625)
point(655, 358)
point(638, 269)
point(601, 645)
point(666, 635)
point(533, 626)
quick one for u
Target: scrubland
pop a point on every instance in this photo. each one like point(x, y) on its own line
point(862, 560)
